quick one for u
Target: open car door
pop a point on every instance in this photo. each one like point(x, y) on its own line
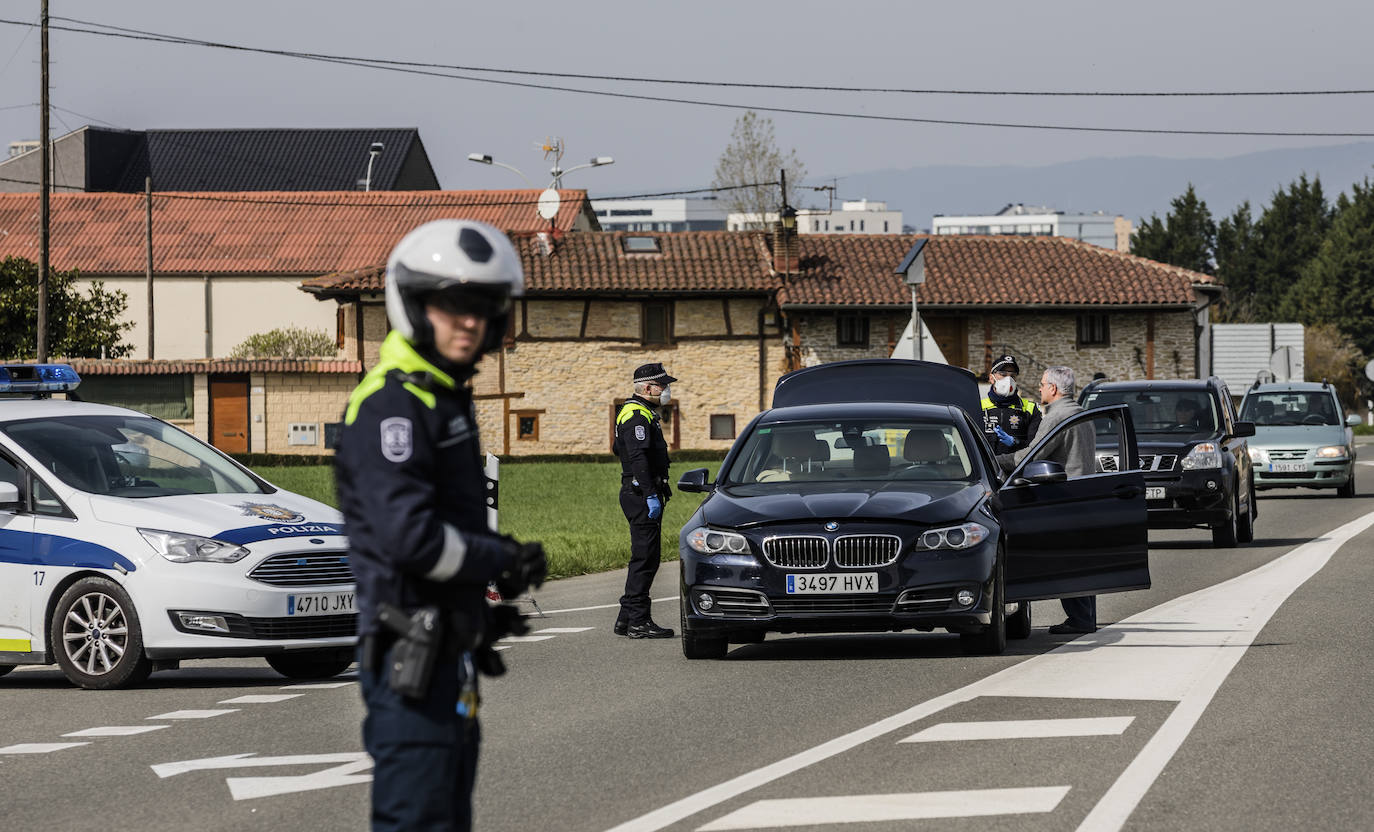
point(1081, 532)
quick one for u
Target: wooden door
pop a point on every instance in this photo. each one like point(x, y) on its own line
point(951, 334)
point(229, 413)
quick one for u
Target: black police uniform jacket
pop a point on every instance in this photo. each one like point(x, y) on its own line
point(1016, 415)
point(639, 444)
point(412, 490)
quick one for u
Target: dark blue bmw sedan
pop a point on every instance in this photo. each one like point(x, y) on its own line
point(867, 500)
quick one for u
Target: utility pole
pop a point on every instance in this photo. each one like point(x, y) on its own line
point(44, 162)
point(148, 245)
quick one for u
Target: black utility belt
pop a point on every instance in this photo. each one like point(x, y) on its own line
point(416, 640)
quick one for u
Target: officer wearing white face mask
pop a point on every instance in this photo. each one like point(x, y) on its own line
point(644, 492)
point(1009, 419)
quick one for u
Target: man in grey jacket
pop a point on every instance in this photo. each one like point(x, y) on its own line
point(1075, 449)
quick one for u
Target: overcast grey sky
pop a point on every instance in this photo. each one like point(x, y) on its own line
point(1157, 45)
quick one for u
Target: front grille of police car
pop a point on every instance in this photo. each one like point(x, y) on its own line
point(859, 550)
point(276, 629)
point(314, 569)
point(797, 551)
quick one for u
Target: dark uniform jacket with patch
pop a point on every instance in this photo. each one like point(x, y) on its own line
point(413, 491)
point(642, 450)
point(1018, 416)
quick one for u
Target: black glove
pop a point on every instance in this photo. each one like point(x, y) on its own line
point(488, 662)
point(527, 568)
point(665, 491)
point(505, 620)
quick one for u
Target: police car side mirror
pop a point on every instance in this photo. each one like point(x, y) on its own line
point(9, 495)
point(696, 481)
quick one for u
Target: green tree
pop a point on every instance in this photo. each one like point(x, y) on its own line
point(288, 342)
point(80, 325)
point(753, 156)
point(1238, 257)
point(1186, 236)
point(1289, 232)
point(1337, 284)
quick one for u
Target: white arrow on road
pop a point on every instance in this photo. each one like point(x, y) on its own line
point(245, 788)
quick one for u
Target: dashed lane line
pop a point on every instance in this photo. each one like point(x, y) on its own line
point(195, 714)
point(116, 731)
point(561, 630)
point(317, 686)
point(597, 607)
point(39, 747)
point(870, 808)
point(259, 698)
point(1020, 729)
point(523, 639)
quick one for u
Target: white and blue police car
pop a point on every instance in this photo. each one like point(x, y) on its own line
point(127, 545)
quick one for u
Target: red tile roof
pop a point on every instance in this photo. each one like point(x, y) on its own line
point(131, 367)
point(305, 233)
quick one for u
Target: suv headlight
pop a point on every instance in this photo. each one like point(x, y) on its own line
point(1259, 456)
point(714, 541)
point(954, 537)
point(187, 548)
point(1203, 455)
point(1331, 452)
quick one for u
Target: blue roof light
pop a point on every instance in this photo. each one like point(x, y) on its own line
point(38, 378)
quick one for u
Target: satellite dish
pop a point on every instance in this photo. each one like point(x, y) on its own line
point(548, 203)
point(1281, 363)
point(1369, 371)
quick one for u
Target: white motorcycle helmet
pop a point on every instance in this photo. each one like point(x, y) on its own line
point(471, 260)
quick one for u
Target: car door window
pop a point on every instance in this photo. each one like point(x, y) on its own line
point(46, 502)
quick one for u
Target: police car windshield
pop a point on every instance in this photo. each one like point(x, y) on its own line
point(127, 456)
point(888, 450)
point(1162, 411)
point(1290, 408)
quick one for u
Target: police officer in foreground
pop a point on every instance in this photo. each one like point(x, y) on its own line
point(644, 492)
point(1009, 419)
point(412, 490)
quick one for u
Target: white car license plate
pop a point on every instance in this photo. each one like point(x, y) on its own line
point(1289, 467)
point(1154, 493)
point(321, 603)
point(832, 584)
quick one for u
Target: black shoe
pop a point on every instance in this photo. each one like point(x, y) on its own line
point(620, 627)
point(648, 630)
point(1070, 629)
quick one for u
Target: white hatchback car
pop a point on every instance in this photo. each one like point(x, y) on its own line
point(127, 544)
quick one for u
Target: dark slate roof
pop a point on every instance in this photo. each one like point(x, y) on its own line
point(270, 160)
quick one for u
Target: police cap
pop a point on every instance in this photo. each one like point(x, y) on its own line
point(1006, 364)
point(653, 372)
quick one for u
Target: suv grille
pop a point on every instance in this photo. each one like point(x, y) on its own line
point(859, 550)
point(315, 569)
point(1289, 454)
point(1161, 462)
point(797, 551)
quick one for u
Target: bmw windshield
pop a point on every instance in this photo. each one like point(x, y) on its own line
point(129, 456)
point(847, 451)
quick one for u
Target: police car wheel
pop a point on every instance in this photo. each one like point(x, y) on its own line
point(311, 664)
point(993, 640)
point(96, 636)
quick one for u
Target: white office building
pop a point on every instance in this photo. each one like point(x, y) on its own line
point(1101, 229)
point(857, 216)
point(704, 214)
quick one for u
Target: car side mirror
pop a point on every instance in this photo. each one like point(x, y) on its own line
point(9, 495)
point(696, 481)
point(1245, 429)
point(1041, 471)
point(1352, 421)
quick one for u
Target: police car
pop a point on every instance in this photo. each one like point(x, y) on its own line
point(126, 545)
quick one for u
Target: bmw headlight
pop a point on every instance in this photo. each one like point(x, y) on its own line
point(710, 541)
point(1203, 455)
point(954, 537)
point(188, 548)
point(1259, 456)
point(1331, 452)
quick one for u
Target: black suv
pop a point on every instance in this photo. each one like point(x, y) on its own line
point(1192, 451)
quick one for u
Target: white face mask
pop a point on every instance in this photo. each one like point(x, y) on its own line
point(1005, 386)
point(666, 396)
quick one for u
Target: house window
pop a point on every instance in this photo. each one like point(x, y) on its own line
point(722, 426)
point(851, 330)
point(1094, 331)
point(640, 245)
point(884, 226)
point(527, 426)
point(861, 225)
point(657, 326)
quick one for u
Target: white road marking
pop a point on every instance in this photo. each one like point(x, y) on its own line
point(1366, 463)
point(597, 607)
point(39, 747)
point(193, 714)
point(1017, 729)
point(345, 771)
point(1137, 658)
point(260, 698)
point(250, 760)
point(116, 731)
point(565, 629)
point(868, 808)
point(501, 647)
point(317, 686)
point(523, 639)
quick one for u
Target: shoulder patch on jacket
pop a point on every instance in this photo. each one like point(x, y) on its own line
point(639, 432)
point(397, 440)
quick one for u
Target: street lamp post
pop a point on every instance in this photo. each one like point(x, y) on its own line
point(556, 172)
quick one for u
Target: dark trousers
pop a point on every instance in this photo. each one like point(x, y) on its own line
point(1081, 611)
point(646, 542)
point(424, 754)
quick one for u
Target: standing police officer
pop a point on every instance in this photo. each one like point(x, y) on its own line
point(412, 490)
point(1009, 419)
point(644, 491)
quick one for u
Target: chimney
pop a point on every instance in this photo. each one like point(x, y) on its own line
point(786, 249)
point(545, 243)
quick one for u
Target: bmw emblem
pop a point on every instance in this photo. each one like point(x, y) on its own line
point(831, 526)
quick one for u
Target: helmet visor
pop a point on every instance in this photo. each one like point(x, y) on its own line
point(469, 300)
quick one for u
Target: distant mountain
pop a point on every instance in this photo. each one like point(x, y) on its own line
point(1133, 186)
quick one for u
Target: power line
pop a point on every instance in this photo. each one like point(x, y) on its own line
point(397, 67)
point(726, 84)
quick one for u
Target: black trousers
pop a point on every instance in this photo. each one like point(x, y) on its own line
point(1081, 611)
point(646, 543)
point(424, 753)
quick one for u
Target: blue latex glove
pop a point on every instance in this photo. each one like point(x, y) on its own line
point(655, 506)
point(1003, 437)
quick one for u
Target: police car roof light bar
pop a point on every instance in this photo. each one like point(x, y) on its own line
point(38, 378)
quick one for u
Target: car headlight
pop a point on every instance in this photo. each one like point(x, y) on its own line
point(954, 537)
point(187, 548)
point(1259, 455)
point(1203, 455)
point(710, 541)
point(1331, 452)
